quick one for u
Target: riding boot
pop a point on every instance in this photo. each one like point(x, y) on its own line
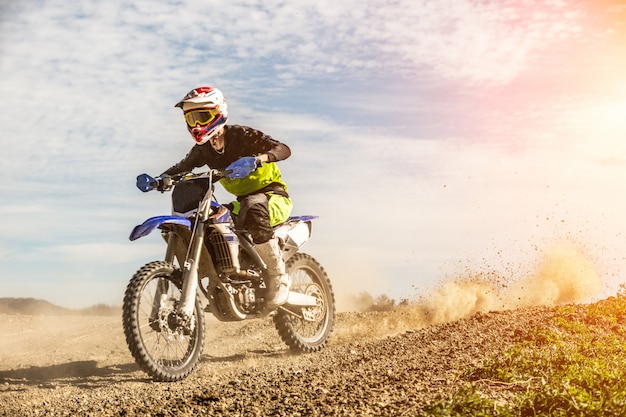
point(278, 280)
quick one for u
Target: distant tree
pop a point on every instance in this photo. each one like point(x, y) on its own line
point(365, 302)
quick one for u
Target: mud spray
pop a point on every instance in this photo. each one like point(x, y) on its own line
point(564, 274)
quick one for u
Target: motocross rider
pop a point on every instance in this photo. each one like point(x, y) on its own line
point(254, 178)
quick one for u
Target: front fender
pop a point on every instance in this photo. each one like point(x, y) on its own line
point(152, 223)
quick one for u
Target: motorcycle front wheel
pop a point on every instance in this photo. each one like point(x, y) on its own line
point(309, 329)
point(162, 347)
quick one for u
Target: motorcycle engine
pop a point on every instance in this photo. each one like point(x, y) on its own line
point(246, 297)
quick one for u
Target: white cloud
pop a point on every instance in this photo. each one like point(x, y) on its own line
point(88, 94)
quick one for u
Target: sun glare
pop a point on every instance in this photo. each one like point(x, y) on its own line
point(610, 117)
point(600, 128)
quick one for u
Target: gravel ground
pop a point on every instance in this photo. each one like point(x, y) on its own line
point(378, 364)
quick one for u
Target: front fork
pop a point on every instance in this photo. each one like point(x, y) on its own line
point(190, 276)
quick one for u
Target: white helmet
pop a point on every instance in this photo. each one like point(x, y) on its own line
point(206, 111)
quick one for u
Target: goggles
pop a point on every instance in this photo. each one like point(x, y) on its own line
point(201, 117)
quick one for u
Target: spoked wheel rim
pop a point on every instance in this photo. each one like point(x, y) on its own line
point(163, 339)
point(163, 348)
point(304, 280)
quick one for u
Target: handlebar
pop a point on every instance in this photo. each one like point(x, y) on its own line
point(165, 183)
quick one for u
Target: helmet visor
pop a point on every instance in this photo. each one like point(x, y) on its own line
point(201, 117)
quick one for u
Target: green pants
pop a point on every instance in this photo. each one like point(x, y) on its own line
point(259, 213)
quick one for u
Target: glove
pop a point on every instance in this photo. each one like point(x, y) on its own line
point(242, 167)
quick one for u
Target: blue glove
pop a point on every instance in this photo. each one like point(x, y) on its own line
point(242, 167)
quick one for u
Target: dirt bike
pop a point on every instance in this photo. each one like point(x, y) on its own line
point(163, 311)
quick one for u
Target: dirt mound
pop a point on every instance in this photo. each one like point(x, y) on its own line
point(30, 306)
point(379, 363)
point(33, 307)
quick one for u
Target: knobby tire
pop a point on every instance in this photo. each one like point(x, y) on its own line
point(160, 349)
point(308, 276)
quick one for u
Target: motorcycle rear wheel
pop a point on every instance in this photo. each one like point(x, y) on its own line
point(311, 334)
point(161, 347)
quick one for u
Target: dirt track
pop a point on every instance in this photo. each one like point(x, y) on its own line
point(377, 364)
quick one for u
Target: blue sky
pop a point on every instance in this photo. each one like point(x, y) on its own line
point(432, 138)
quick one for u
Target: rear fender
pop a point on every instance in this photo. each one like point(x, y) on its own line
point(152, 223)
point(294, 233)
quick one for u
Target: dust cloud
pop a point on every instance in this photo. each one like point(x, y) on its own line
point(564, 274)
